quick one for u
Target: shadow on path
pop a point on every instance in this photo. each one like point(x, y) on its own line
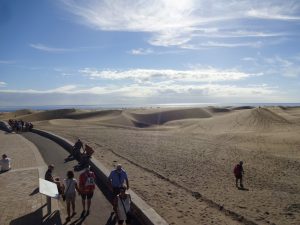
point(36, 217)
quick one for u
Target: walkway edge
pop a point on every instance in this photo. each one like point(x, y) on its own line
point(145, 214)
point(41, 166)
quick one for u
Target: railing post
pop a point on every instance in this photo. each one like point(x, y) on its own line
point(48, 205)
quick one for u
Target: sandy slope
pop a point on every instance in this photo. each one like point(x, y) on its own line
point(180, 160)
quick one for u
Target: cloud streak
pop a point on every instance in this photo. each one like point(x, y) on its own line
point(158, 91)
point(45, 48)
point(209, 74)
point(2, 84)
point(178, 23)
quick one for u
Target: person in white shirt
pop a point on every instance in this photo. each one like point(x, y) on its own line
point(70, 187)
point(5, 163)
point(123, 206)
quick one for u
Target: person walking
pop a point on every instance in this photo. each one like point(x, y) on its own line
point(116, 179)
point(238, 173)
point(70, 187)
point(123, 206)
point(87, 187)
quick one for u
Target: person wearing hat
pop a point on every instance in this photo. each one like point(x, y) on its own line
point(87, 187)
point(5, 163)
point(238, 173)
point(116, 179)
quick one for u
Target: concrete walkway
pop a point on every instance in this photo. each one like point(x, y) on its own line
point(101, 209)
point(20, 201)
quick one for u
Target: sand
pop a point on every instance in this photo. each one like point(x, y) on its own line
point(180, 160)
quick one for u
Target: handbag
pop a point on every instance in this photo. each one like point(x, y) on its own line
point(128, 214)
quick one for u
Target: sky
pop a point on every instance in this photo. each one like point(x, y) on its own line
point(72, 52)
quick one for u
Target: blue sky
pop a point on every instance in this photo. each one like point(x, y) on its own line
point(148, 51)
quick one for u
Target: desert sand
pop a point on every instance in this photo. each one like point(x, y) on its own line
point(180, 160)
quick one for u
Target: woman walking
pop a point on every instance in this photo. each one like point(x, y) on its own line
point(70, 187)
point(123, 206)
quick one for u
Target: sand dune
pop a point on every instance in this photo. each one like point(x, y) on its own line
point(16, 114)
point(180, 160)
point(162, 116)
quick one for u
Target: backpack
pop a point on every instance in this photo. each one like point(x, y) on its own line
point(237, 170)
point(90, 182)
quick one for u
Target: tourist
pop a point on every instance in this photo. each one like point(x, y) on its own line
point(70, 187)
point(87, 187)
point(5, 163)
point(116, 181)
point(76, 149)
point(49, 177)
point(48, 174)
point(238, 173)
point(123, 206)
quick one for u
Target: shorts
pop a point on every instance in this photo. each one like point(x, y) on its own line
point(87, 195)
point(70, 197)
point(116, 191)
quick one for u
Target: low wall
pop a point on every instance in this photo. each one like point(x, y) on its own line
point(144, 213)
point(5, 126)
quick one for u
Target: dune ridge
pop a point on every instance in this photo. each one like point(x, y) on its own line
point(180, 159)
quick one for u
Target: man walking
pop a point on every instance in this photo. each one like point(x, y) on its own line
point(238, 173)
point(116, 180)
point(86, 187)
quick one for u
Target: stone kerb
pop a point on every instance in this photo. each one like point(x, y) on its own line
point(145, 214)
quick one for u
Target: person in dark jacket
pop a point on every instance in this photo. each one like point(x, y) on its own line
point(238, 173)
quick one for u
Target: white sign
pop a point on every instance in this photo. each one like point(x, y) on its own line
point(48, 188)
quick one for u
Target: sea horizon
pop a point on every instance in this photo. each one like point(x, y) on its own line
point(132, 106)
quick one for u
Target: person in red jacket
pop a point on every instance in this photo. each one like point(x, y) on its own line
point(87, 187)
point(238, 173)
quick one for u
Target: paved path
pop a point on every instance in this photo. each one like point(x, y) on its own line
point(20, 201)
point(54, 154)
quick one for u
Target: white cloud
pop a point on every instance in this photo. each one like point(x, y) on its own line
point(177, 23)
point(141, 51)
point(250, 59)
point(159, 90)
point(2, 84)
point(209, 74)
point(45, 48)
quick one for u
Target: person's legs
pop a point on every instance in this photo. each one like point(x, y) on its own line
point(83, 197)
point(83, 204)
point(236, 182)
point(68, 209)
point(88, 204)
point(73, 206)
point(116, 191)
point(241, 182)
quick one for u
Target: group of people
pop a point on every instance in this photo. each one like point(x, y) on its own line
point(20, 125)
point(118, 181)
point(69, 186)
point(82, 157)
point(5, 164)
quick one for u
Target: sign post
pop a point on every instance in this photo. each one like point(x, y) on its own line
point(50, 190)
